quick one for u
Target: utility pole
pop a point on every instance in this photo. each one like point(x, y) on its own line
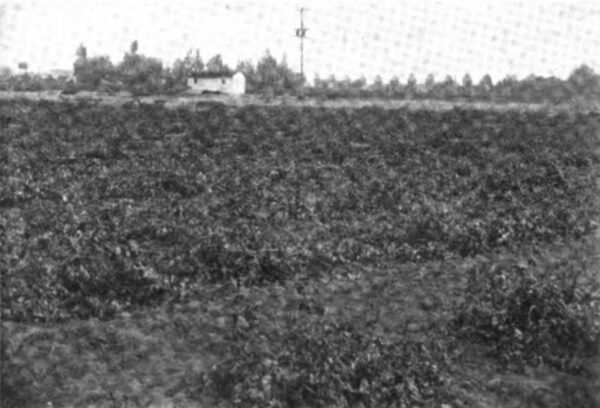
point(301, 33)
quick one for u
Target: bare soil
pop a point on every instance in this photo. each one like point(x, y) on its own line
point(193, 100)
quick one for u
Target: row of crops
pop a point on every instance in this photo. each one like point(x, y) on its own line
point(110, 208)
point(316, 256)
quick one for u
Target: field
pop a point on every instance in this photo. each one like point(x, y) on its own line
point(298, 256)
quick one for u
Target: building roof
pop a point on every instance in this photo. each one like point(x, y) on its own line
point(202, 75)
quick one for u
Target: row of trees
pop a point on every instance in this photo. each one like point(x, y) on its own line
point(136, 73)
point(27, 82)
point(582, 82)
point(140, 74)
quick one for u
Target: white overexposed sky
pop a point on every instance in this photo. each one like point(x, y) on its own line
point(345, 38)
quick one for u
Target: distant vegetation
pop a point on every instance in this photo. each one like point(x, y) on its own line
point(583, 82)
point(143, 75)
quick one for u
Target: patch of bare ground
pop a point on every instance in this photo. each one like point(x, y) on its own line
point(194, 101)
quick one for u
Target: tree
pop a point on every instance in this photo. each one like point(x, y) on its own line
point(394, 86)
point(467, 81)
point(133, 48)
point(288, 79)
point(583, 80)
point(81, 52)
point(140, 74)
point(195, 64)
point(345, 85)
point(5, 72)
point(179, 72)
point(331, 81)
point(467, 86)
point(216, 65)
point(359, 83)
point(411, 86)
point(190, 65)
point(447, 89)
point(531, 88)
point(246, 68)
point(274, 77)
point(90, 72)
point(508, 88)
point(485, 87)
point(377, 86)
point(429, 83)
point(319, 83)
point(266, 72)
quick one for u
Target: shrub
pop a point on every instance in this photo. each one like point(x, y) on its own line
point(533, 312)
point(322, 363)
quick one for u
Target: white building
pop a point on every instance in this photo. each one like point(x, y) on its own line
point(233, 85)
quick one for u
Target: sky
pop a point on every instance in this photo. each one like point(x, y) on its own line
point(345, 38)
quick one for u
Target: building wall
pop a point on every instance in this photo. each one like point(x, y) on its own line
point(235, 85)
point(238, 86)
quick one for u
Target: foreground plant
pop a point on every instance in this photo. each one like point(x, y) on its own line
point(324, 363)
point(538, 311)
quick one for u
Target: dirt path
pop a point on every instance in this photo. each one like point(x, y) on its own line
point(194, 101)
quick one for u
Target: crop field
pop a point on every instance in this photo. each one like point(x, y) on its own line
point(298, 256)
